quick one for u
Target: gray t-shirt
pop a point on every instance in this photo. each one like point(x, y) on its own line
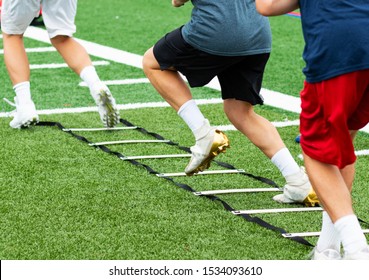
point(227, 28)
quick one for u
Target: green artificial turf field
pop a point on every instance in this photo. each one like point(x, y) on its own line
point(63, 199)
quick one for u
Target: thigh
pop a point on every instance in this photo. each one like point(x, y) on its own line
point(16, 15)
point(59, 16)
point(243, 79)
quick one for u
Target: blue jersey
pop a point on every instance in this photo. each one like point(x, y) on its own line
point(227, 28)
point(336, 36)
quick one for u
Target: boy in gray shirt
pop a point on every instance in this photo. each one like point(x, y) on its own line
point(229, 40)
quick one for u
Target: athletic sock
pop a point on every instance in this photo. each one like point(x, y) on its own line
point(23, 91)
point(90, 77)
point(351, 234)
point(284, 161)
point(329, 237)
point(191, 115)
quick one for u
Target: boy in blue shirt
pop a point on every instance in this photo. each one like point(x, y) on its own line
point(335, 105)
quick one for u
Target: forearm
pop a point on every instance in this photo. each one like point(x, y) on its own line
point(178, 3)
point(276, 7)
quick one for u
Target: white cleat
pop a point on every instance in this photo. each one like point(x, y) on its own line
point(325, 255)
point(107, 107)
point(298, 190)
point(25, 114)
point(360, 255)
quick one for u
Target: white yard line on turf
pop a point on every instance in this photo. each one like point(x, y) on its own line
point(271, 98)
point(120, 107)
point(276, 124)
point(362, 153)
point(64, 65)
point(122, 82)
point(36, 50)
point(94, 49)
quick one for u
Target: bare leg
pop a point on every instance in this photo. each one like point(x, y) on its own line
point(168, 83)
point(265, 136)
point(332, 185)
point(348, 173)
point(17, 64)
point(77, 58)
point(171, 86)
point(16, 59)
point(73, 53)
point(331, 188)
point(259, 130)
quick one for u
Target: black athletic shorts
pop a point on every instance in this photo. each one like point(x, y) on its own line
point(240, 77)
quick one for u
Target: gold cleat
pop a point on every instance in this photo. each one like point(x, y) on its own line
point(311, 200)
point(205, 150)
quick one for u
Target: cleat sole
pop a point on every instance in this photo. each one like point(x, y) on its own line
point(112, 115)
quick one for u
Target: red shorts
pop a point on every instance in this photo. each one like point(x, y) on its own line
point(329, 110)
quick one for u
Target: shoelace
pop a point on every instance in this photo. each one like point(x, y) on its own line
point(11, 113)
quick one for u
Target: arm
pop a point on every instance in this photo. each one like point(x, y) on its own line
point(179, 3)
point(276, 7)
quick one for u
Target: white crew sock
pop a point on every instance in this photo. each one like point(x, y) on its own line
point(191, 115)
point(329, 237)
point(351, 234)
point(90, 77)
point(23, 91)
point(284, 161)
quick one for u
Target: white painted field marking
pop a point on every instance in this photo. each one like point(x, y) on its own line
point(64, 65)
point(362, 153)
point(119, 106)
point(286, 123)
point(121, 82)
point(94, 49)
point(36, 50)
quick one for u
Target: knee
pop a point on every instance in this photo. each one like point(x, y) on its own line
point(12, 37)
point(238, 111)
point(58, 40)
